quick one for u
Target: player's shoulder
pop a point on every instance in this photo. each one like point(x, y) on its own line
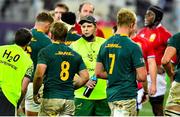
point(5, 46)
point(175, 37)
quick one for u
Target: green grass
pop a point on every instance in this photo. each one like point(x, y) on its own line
point(147, 110)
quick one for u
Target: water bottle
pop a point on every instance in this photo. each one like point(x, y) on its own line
point(88, 90)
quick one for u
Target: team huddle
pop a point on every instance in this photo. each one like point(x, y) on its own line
point(48, 68)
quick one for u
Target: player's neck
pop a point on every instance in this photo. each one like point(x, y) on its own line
point(123, 30)
point(39, 28)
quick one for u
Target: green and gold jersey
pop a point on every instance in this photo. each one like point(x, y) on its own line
point(71, 37)
point(15, 63)
point(120, 57)
point(62, 64)
point(174, 41)
point(38, 41)
point(89, 51)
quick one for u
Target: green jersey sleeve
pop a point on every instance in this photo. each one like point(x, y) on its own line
point(137, 57)
point(29, 71)
point(42, 57)
point(173, 41)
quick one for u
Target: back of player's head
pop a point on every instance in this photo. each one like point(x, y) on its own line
point(125, 17)
point(23, 36)
point(69, 18)
point(59, 31)
point(158, 13)
point(62, 5)
point(44, 17)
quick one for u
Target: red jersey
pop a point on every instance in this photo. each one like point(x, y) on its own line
point(147, 51)
point(158, 38)
point(99, 32)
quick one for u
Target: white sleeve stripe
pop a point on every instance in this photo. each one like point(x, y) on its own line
point(152, 56)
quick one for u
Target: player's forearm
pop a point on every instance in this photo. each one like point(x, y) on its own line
point(79, 83)
point(102, 75)
point(100, 71)
point(153, 71)
point(169, 70)
point(81, 80)
point(145, 86)
point(37, 82)
point(25, 84)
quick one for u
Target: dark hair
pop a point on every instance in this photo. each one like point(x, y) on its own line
point(69, 18)
point(59, 31)
point(114, 28)
point(23, 36)
point(82, 4)
point(62, 6)
point(44, 16)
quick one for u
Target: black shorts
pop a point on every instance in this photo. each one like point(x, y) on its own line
point(6, 108)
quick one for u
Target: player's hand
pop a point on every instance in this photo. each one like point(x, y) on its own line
point(144, 97)
point(91, 84)
point(152, 90)
point(37, 98)
point(160, 70)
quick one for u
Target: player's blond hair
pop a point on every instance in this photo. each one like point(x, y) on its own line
point(125, 17)
point(58, 30)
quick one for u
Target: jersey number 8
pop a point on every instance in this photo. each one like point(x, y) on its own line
point(64, 74)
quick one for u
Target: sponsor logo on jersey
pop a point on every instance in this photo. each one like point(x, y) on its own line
point(64, 53)
point(113, 46)
point(152, 37)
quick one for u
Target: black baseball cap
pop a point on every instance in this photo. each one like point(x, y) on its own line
point(89, 19)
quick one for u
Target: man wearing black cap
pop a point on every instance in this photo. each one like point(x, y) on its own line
point(158, 36)
point(88, 47)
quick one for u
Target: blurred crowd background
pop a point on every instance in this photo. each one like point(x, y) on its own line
point(21, 13)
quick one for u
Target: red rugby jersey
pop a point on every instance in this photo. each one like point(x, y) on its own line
point(147, 51)
point(158, 38)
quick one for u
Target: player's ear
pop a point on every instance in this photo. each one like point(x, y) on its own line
point(49, 34)
point(131, 25)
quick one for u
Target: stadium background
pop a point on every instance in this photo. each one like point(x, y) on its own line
point(21, 13)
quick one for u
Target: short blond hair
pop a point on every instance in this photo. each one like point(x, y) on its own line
point(125, 17)
point(59, 30)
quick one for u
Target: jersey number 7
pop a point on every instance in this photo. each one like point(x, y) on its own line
point(111, 56)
